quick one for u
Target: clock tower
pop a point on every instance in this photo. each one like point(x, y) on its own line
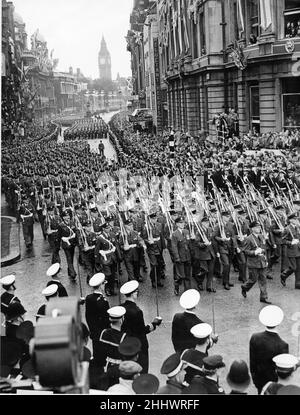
point(104, 61)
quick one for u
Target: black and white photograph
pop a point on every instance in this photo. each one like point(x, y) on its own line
point(150, 201)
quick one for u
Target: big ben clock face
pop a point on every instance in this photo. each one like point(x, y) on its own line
point(102, 61)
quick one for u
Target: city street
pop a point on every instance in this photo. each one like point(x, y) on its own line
point(236, 318)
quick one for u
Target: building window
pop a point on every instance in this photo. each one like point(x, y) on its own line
point(254, 109)
point(202, 33)
point(292, 18)
point(291, 103)
point(254, 18)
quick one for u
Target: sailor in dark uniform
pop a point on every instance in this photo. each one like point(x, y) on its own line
point(111, 338)
point(183, 322)
point(49, 292)
point(209, 383)
point(134, 324)
point(265, 345)
point(174, 369)
point(8, 296)
point(53, 272)
point(96, 306)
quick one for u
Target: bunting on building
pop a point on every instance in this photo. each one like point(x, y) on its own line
point(265, 14)
point(238, 57)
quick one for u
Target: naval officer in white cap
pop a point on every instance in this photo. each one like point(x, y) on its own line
point(111, 338)
point(96, 306)
point(182, 323)
point(53, 272)
point(8, 296)
point(286, 366)
point(266, 345)
point(49, 292)
point(134, 324)
point(193, 357)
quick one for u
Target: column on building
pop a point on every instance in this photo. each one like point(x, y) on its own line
point(242, 104)
point(215, 98)
point(192, 105)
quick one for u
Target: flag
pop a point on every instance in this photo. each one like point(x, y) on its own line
point(265, 14)
point(241, 15)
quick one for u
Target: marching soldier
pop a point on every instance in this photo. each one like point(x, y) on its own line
point(255, 250)
point(26, 213)
point(105, 258)
point(129, 243)
point(51, 229)
point(87, 239)
point(203, 254)
point(68, 241)
point(153, 236)
point(97, 318)
point(291, 238)
point(182, 255)
point(225, 238)
point(134, 324)
point(241, 230)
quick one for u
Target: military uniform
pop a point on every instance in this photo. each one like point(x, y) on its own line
point(180, 242)
point(204, 385)
point(96, 316)
point(181, 331)
point(68, 242)
point(52, 230)
point(109, 343)
point(293, 254)
point(26, 213)
point(106, 260)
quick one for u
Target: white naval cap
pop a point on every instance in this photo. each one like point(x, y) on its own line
point(116, 312)
point(129, 287)
point(50, 290)
point(201, 330)
point(97, 279)
point(189, 299)
point(8, 280)
point(285, 361)
point(53, 270)
point(271, 316)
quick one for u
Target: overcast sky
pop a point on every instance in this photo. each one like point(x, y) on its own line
point(74, 28)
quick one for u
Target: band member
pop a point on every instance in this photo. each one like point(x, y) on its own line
point(255, 250)
point(225, 238)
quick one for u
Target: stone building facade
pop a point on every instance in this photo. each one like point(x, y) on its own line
point(223, 54)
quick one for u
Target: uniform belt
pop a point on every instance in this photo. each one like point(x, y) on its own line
point(113, 361)
point(27, 216)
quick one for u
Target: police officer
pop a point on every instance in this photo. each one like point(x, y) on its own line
point(134, 324)
point(97, 318)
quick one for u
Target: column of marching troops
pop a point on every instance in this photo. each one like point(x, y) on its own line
point(87, 129)
point(240, 228)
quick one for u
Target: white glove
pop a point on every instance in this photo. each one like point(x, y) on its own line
point(258, 251)
point(295, 241)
